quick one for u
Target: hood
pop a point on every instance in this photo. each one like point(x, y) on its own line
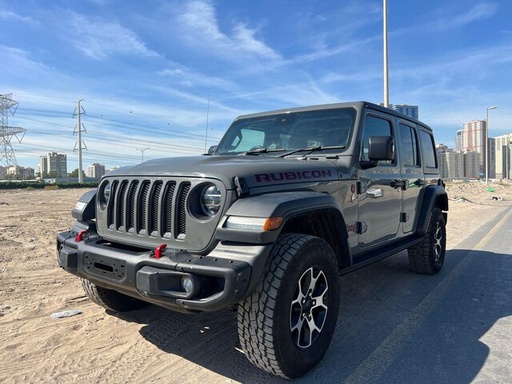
point(256, 170)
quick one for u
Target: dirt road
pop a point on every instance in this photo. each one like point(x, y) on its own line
point(383, 312)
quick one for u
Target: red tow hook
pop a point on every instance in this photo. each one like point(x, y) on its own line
point(159, 250)
point(80, 236)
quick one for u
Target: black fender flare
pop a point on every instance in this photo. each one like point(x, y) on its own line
point(280, 204)
point(432, 197)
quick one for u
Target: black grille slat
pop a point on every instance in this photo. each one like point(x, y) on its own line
point(181, 214)
point(153, 208)
point(121, 207)
point(131, 206)
point(167, 204)
point(142, 207)
point(111, 206)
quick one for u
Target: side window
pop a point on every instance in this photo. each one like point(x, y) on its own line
point(408, 146)
point(428, 149)
point(375, 126)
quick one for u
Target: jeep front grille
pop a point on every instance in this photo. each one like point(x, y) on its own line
point(154, 208)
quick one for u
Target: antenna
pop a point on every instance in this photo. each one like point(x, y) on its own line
point(206, 135)
point(7, 104)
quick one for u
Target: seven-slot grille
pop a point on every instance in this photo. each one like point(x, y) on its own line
point(155, 208)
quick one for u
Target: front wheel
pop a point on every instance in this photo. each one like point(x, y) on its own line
point(111, 299)
point(286, 325)
point(428, 256)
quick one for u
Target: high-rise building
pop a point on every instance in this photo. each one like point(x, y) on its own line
point(474, 134)
point(503, 158)
point(53, 164)
point(404, 109)
point(458, 140)
point(491, 145)
point(451, 164)
point(472, 165)
point(95, 171)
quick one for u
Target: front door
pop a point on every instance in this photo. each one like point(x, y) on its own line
point(380, 201)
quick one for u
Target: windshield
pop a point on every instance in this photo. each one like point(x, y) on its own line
point(289, 131)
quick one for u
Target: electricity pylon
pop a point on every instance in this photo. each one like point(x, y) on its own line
point(7, 104)
point(79, 111)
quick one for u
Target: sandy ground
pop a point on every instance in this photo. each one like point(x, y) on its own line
point(150, 345)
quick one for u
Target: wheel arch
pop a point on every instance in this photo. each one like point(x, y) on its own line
point(434, 196)
point(304, 212)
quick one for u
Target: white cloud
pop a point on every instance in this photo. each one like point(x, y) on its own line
point(478, 12)
point(199, 24)
point(8, 15)
point(100, 39)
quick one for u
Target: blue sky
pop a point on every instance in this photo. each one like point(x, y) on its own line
point(171, 75)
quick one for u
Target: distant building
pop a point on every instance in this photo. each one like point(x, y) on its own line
point(503, 160)
point(95, 171)
point(3, 172)
point(472, 165)
point(492, 157)
point(451, 163)
point(20, 173)
point(458, 141)
point(404, 109)
point(53, 164)
point(407, 110)
point(474, 134)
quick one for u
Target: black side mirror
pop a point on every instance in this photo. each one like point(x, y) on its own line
point(212, 149)
point(381, 148)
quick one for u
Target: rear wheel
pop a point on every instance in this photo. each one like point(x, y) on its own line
point(286, 325)
point(111, 299)
point(428, 256)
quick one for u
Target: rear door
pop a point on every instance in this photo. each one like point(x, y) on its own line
point(412, 175)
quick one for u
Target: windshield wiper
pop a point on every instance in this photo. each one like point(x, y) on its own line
point(312, 149)
point(257, 151)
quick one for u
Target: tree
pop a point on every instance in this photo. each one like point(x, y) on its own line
point(75, 173)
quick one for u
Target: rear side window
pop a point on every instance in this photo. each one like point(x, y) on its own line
point(409, 146)
point(428, 149)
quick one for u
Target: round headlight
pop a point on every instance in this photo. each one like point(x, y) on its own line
point(104, 194)
point(211, 200)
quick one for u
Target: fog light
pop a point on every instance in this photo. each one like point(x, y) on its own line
point(187, 284)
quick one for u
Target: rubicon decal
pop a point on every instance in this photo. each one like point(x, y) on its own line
point(293, 175)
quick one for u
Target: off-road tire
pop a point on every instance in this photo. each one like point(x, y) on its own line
point(111, 299)
point(427, 257)
point(275, 321)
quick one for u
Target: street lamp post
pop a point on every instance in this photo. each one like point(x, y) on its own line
point(142, 151)
point(385, 49)
point(487, 143)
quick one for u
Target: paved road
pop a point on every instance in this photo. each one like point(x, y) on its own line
point(395, 326)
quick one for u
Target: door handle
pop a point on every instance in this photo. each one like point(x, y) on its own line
point(420, 182)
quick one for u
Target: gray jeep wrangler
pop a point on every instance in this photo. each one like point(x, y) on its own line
point(265, 223)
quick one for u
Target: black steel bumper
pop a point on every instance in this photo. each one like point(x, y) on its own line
point(216, 280)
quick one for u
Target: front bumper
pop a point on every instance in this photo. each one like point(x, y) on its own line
point(218, 280)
